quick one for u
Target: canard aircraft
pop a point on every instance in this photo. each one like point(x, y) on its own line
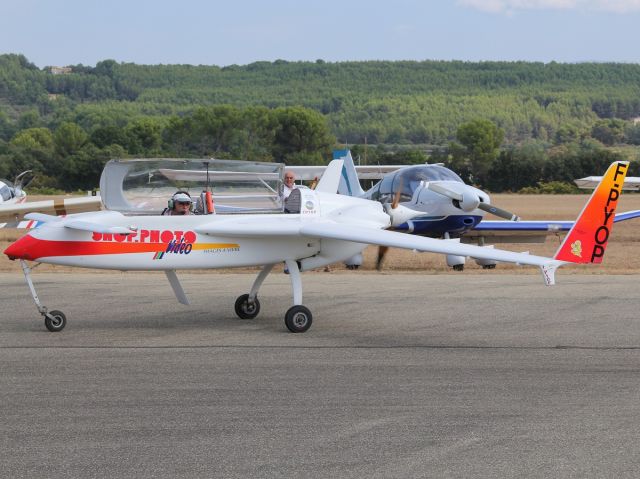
point(250, 225)
point(446, 207)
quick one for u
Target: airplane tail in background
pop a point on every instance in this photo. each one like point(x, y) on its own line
point(587, 240)
point(349, 183)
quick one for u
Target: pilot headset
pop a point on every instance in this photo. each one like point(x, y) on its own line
point(171, 203)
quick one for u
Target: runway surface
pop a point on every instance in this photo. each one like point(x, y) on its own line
point(485, 375)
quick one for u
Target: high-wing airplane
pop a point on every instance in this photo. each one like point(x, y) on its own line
point(631, 183)
point(446, 207)
point(364, 172)
point(14, 205)
point(321, 228)
point(13, 193)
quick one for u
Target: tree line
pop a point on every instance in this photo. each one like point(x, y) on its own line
point(553, 120)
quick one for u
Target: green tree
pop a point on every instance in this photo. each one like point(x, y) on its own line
point(609, 132)
point(482, 139)
point(143, 136)
point(302, 136)
point(69, 138)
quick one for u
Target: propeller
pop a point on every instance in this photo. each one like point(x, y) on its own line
point(20, 183)
point(499, 212)
point(469, 202)
point(399, 214)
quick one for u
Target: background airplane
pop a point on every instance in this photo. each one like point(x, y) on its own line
point(364, 172)
point(631, 183)
point(13, 193)
point(14, 204)
point(446, 207)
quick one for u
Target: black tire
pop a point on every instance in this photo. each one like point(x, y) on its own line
point(55, 321)
point(298, 319)
point(246, 310)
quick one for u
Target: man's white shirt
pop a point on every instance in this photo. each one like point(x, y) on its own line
point(286, 191)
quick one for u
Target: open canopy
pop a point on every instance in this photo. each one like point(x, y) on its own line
point(143, 186)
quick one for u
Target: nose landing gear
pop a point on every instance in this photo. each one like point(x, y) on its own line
point(55, 320)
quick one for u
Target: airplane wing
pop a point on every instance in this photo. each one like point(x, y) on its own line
point(368, 172)
point(360, 234)
point(15, 212)
point(327, 229)
point(631, 183)
point(527, 231)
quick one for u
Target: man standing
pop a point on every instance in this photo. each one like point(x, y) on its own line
point(289, 184)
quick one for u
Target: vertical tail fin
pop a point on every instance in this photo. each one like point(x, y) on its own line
point(588, 237)
point(331, 177)
point(349, 183)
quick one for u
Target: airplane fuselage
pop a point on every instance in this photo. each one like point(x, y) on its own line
point(172, 242)
point(440, 214)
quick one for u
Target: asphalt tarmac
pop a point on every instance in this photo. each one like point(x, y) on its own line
point(401, 375)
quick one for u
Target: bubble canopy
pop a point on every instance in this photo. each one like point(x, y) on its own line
point(143, 186)
point(408, 179)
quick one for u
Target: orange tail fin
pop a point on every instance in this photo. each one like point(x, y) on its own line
point(588, 238)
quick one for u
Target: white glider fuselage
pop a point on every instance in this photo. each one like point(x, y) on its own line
point(201, 241)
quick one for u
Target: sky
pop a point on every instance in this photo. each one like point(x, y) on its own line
point(214, 32)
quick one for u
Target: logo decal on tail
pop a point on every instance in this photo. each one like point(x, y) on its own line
point(576, 248)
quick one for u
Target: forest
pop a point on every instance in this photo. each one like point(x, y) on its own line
point(504, 126)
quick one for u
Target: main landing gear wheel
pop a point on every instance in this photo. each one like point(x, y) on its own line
point(55, 321)
point(298, 319)
point(246, 309)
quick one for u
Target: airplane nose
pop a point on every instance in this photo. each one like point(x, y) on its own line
point(20, 249)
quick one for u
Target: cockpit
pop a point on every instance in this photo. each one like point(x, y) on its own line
point(5, 192)
point(143, 186)
point(408, 179)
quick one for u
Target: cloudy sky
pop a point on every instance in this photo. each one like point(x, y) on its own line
point(213, 32)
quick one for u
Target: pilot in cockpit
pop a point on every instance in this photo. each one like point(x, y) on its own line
point(180, 204)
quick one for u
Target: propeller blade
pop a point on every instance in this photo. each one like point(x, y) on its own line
point(382, 252)
point(396, 198)
point(494, 210)
point(454, 195)
point(20, 183)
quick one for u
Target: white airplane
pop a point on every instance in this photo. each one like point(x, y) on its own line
point(322, 228)
point(364, 172)
point(631, 183)
point(13, 193)
point(14, 205)
point(446, 207)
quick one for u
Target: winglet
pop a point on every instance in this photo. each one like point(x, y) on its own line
point(587, 240)
point(549, 272)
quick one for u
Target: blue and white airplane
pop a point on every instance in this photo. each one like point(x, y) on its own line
point(452, 209)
